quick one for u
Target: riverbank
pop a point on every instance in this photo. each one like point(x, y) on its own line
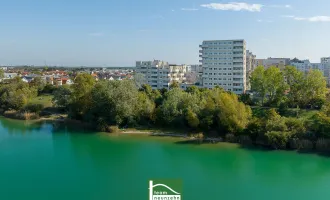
point(302, 145)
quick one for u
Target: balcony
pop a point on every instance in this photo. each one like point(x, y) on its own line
point(200, 51)
point(201, 61)
point(203, 46)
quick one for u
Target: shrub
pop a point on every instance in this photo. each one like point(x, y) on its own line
point(231, 138)
point(113, 129)
point(277, 139)
point(295, 126)
point(306, 144)
point(245, 140)
point(35, 108)
point(322, 144)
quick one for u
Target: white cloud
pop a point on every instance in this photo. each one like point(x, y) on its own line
point(96, 34)
point(172, 10)
point(189, 9)
point(310, 19)
point(280, 6)
point(234, 6)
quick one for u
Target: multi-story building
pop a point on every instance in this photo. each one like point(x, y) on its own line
point(159, 74)
point(251, 64)
point(325, 64)
point(325, 60)
point(224, 64)
point(277, 62)
point(306, 65)
point(260, 62)
point(194, 74)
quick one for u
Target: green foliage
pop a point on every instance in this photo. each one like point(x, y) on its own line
point(192, 119)
point(268, 83)
point(233, 115)
point(2, 74)
point(62, 97)
point(246, 99)
point(38, 83)
point(115, 101)
point(16, 94)
point(274, 87)
point(275, 122)
point(278, 139)
point(34, 108)
point(174, 84)
point(295, 126)
point(49, 89)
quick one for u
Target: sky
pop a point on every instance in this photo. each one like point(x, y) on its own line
point(120, 32)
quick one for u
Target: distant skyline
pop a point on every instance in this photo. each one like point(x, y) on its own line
point(117, 33)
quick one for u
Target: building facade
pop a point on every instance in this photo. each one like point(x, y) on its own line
point(325, 60)
point(224, 64)
point(277, 62)
point(159, 74)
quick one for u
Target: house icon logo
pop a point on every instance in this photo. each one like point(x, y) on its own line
point(163, 189)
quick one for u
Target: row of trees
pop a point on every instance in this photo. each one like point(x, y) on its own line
point(121, 103)
point(214, 112)
point(290, 86)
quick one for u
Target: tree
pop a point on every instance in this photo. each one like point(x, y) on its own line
point(38, 83)
point(295, 80)
point(259, 83)
point(174, 84)
point(275, 85)
point(233, 115)
point(139, 80)
point(314, 88)
point(80, 97)
point(61, 97)
point(2, 74)
point(116, 102)
point(192, 119)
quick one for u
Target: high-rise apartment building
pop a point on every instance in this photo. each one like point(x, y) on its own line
point(159, 74)
point(224, 64)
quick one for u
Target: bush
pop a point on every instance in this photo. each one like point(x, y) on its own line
point(231, 138)
point(322, 144)
point(113, 129)
point(245, 140)
point(255, 128)
point(277, 139)
point(295, 126)
point(306, 144)
point(35, 108)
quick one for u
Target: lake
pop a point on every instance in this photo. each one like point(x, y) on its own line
point(43, 162)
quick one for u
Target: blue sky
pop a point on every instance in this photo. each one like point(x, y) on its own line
point(119, 32)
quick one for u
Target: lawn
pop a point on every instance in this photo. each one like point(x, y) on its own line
point(292, 112)
point(45, 100)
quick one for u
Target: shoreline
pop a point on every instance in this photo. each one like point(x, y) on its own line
point(244, 141)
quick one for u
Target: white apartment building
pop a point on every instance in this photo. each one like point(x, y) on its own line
point(224, 64)
point(159, 74)
point(306, 65)
point(251, 64)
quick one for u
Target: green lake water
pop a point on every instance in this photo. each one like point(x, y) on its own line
point(40, 162)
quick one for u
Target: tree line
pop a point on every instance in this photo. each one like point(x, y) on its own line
point(212, 112)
